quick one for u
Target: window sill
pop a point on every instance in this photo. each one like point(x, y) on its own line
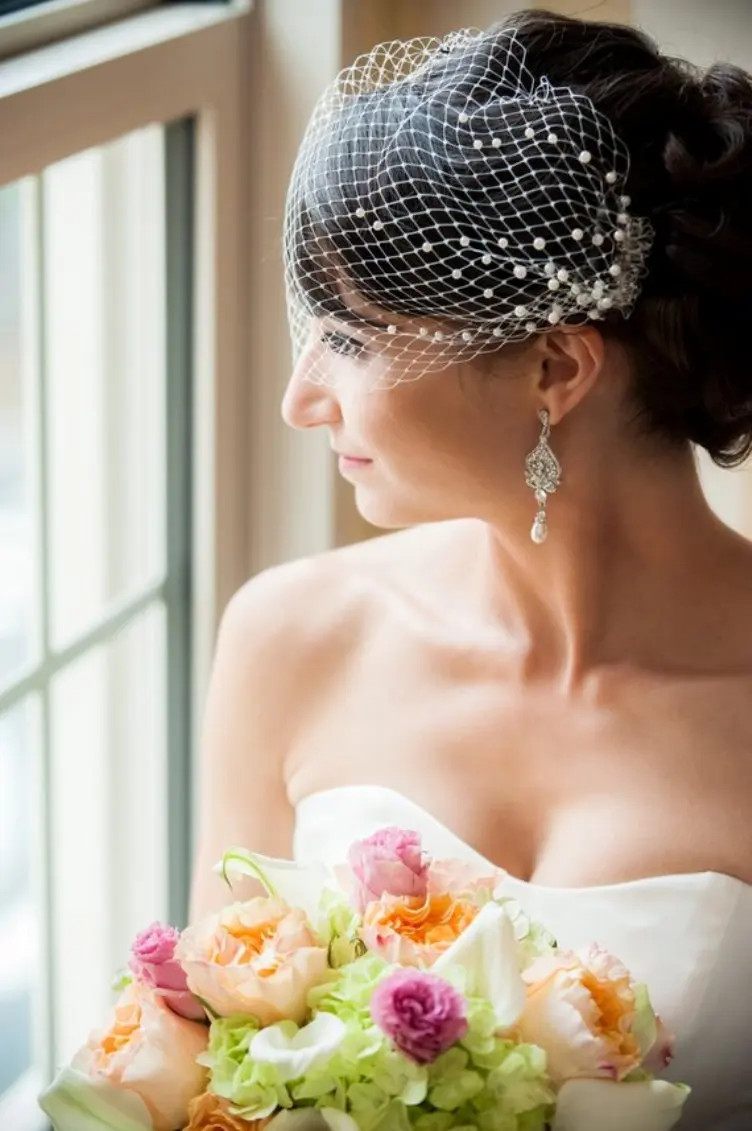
point(116, 41)
point(54, 20)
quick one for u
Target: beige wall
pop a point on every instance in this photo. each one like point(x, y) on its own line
point(705, 31)
point(437, 17)
point(297, 502)
point(297, 505)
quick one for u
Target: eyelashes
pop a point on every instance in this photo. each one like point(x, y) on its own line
point(341, 344)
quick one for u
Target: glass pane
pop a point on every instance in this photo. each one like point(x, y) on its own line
point(104, 284)
point(20, 926)
point(109, 805)
point(16, 575)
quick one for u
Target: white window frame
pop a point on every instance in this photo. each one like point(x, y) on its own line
point(161, 66)
point(55, 20)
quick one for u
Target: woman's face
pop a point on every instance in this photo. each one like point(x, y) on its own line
point(450, 443)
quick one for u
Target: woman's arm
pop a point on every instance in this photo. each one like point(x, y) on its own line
point(247, 725)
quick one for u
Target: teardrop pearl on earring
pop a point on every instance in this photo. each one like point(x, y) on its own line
point(539, 532)
point(543, 474)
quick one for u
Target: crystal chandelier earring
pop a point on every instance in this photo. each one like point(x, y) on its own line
point(543, 475)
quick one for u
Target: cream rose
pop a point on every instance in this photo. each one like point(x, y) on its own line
point(259, 958)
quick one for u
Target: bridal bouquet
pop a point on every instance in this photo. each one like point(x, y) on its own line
point(395, 993)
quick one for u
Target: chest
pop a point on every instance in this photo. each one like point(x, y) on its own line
point(566, 790)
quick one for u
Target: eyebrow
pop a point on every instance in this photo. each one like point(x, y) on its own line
point(328, 332)
point(374, 323)
point(340, 325)
point(347, 315)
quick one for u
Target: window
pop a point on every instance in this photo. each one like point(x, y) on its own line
point(121, 368)
point(95, 605)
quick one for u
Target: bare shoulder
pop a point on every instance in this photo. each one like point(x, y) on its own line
point(292, 626)
point(308, 596)
point(284, 641)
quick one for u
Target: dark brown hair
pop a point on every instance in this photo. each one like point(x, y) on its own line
point(689, 134)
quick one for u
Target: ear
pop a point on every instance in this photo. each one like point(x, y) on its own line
point(571, 362)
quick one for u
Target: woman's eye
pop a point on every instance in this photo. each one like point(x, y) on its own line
point(341, 344)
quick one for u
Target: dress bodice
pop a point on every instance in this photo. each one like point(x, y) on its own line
point(687, 936)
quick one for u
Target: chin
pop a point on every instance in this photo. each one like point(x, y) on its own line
point(391, 513)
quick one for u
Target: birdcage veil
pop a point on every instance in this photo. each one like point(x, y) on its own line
point(445, 202)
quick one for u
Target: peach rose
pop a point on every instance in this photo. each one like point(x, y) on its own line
point(583, 1011)
point(414, 932)
point(258, 958)
point(458, 877)
point(211, 1113)
point(147, 1056)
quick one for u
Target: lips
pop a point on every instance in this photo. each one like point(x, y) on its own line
point(353, 463)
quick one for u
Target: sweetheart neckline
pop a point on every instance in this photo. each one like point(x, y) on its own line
point(530, 885)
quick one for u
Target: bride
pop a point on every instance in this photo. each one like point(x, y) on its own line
point(519, 269)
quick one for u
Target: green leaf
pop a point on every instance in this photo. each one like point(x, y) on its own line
point(121, 981)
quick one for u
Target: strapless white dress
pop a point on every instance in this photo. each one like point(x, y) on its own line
point(689, 937)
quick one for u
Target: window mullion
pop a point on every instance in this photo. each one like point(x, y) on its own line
point(34, 377)
point(179, 237)
point(106, 628)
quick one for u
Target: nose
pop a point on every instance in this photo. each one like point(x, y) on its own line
point(307, 404)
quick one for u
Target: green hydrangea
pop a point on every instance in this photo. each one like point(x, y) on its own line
point(487, 1083)
point(484, 1083)
point(348, 995)
point(252, 1088)
point(366, 1076)
point(339, 929)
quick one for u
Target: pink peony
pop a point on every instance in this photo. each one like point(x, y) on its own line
point(420, 1013)
point(391, 862)
point(153, 964)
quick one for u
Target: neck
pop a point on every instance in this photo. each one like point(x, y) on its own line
point(629, 545)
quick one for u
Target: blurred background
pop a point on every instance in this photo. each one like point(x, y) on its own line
point(144, 469)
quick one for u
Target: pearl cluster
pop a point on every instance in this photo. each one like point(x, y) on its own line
point(593, 297)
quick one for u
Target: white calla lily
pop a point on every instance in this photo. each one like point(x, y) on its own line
point(76, 1102)
point(299, 885)
point(604, 1105)
point(294, 1051)
point(487, 953)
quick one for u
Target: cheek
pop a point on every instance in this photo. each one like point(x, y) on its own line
point(436, 424)
point(410, 422)
point(373, 417)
